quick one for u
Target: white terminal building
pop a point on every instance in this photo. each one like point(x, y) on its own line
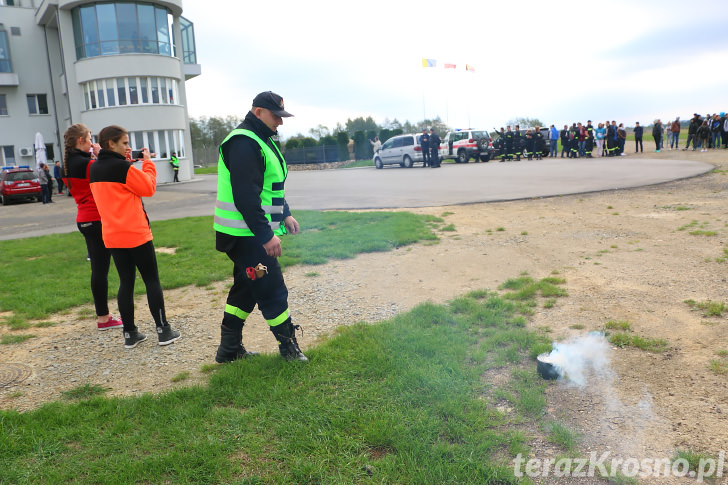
point(98, 63)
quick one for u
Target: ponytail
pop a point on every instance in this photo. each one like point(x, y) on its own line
point(70, 139)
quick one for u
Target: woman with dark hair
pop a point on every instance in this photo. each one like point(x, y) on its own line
point(78, 146)
point(118, 187)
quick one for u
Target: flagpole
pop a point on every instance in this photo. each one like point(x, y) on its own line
point(424, 113)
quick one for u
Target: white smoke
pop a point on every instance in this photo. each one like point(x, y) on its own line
point(583, 364)
point(579, 358)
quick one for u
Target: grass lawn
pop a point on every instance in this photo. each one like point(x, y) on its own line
point(205, 170)
point(402, 401)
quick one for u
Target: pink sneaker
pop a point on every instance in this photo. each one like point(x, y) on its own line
point(112, 323)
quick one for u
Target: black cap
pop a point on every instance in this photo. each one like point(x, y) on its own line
point(271, 101)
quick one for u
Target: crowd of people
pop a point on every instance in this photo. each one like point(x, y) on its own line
point(608, 139)
point(512, 144)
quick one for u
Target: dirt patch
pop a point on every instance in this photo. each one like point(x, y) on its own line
point(621, 252)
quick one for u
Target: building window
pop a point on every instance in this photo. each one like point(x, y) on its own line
point(3, 105)
point(189, 53)
point(8, 154)
point(110, 93)
point(121, 28)
point(121, 91)
point(100, 94)
point(129, 91)
point(5, 65)
point(145, 94)
point(133, 95)
point(37, 104)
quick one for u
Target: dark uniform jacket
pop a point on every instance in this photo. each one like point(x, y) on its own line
point(243, 158)
point(564, 134)
point(425, 141)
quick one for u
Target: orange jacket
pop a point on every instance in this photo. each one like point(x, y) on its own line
point(118, 187)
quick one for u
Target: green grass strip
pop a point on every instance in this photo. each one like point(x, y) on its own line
point(32, 292)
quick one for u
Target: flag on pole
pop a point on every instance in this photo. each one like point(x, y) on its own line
point(429, 62)
point(469, 67)
point(449, 66)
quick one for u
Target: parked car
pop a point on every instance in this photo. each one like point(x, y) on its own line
point(19, 182)
point(402, 150)
point(462, 145)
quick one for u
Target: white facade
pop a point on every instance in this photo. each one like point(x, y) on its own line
point(97, 63)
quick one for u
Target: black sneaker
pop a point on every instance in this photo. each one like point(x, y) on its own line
point(132, 339)
point(167, 335)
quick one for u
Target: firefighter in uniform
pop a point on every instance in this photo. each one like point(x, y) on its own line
point(589, 147)
point(574, 141)
point(250, 214)
point(611, 139)
point(507, 144)
point(518, 142)
point(539, 146)
point(528, 145)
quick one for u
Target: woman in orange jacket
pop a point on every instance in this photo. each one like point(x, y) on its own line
point(118, 187)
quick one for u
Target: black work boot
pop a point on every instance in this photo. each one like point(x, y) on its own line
point(287, 343)
point(231, 345)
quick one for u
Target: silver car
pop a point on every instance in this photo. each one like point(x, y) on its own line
point(404, 150)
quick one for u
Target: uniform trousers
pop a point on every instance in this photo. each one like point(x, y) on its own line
point(268, 292)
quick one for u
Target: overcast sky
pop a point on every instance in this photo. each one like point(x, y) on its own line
point(559, 61)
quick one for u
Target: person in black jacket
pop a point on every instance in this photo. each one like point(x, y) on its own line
point(703, 136)
point(425, 145)
point(564, 135)
point(638, 132)
point(539, 146)
point(250, 213)
point(518, 142)
point(434, 149)
point(695, 123)
point(507, 138)
point(657, 134)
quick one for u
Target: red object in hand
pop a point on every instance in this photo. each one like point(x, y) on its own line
point(250, 271)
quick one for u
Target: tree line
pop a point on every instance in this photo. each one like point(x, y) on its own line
point(208, 132)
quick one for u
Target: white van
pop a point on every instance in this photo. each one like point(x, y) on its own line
point(404, 150)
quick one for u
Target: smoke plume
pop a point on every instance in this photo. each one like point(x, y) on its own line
point(579, 358)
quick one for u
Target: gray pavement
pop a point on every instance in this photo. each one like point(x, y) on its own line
point(392, 187)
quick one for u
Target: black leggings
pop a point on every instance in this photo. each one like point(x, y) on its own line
point(100, 261)
point(127, 260)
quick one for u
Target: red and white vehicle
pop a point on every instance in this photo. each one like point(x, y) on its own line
point(462, 145)
point(19, 182)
